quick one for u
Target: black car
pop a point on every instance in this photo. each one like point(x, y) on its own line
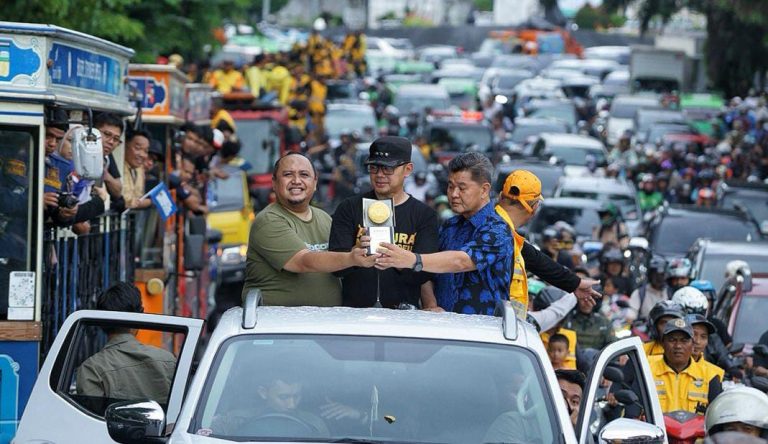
point(749, 196)
point(674, 229)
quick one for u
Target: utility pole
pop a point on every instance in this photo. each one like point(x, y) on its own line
point(265, 8)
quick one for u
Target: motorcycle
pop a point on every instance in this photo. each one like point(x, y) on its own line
point(684, 427)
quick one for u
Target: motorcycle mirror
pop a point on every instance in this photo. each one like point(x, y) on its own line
point(736, 348)
point(613, 374)
point(626, 397)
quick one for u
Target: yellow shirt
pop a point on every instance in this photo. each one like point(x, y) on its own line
point(518, 288)
point(256, 78)
point(684, 390)
point(570, 361)
point(653, 348)
point(279, 80)
point(225, 82)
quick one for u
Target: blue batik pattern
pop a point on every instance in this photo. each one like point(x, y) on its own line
point(488, 241)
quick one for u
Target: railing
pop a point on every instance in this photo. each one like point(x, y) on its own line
point(77, 269)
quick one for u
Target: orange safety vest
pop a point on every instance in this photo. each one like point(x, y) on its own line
point(518, 288)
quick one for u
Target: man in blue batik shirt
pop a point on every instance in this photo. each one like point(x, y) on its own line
point(474, 264)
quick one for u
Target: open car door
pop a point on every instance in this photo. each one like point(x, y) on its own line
point(64, 409)
point(619, 402)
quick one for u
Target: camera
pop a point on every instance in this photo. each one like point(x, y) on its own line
point(67, 200)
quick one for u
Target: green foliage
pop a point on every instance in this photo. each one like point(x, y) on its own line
point(589, 17)
point(484, 5)
point(150, 27)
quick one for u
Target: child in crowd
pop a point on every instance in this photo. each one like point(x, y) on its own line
point(557, 350)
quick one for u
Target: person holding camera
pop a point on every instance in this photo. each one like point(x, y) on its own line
point(60, 207)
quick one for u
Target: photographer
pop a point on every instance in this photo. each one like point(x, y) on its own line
point(60, 207)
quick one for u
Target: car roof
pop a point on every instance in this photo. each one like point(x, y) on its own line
point(731, 247)
point(349, 107)
point(373, 322)
point(423, 89)
point(636, 99)
point(576, 140)
point(571, 202)
point(537, 121)
point(602, 185)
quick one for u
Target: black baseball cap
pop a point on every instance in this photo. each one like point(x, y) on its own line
point(678, 325)
point(389, 151)
point(697, 318)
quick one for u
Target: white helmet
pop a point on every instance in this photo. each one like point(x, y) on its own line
point(691, 299)
point(739, 404)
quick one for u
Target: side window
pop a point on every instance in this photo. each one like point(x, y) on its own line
point(106, 362)
point(621, 393)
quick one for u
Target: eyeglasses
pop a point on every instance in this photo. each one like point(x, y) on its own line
point(387, 170)
point(106, 135)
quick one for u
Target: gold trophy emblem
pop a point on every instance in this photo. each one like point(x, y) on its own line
point(378, 212)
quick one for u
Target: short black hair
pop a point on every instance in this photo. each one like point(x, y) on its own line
point(557, 337)
point(572, 376)
point(122, 296)
point(292, 153)
point(223, 125)
point(230, 147)
point(142, 133)
point(107, 119)
point(477, 164)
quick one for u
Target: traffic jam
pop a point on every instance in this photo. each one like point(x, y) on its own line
point(334, 235)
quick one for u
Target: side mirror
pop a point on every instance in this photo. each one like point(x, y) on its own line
point(135, 422)
point(625, 430)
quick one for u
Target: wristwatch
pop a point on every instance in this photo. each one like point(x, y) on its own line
point(418, 265)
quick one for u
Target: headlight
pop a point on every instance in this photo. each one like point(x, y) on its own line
point(234, 255)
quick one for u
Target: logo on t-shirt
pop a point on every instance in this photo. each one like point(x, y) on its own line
point(317, 247)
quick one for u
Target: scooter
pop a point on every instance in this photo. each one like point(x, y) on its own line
point(684, 427)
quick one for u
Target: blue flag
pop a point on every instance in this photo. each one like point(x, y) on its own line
point(163, 200)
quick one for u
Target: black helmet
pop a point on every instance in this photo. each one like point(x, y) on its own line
point(546, 297)
point(549, 233)
point(613, 255)
point(664, 308)
point(657, 264)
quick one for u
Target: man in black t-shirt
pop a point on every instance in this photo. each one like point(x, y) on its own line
point(416, 227)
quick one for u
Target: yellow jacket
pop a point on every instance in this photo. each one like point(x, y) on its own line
point(653, 348)
point(570, 361)
point(224, 82)
point(518, 288)
point(684, 390)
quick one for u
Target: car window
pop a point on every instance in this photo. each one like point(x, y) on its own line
point(756, 202)
point(750, 319)
point(461, 138)
point(296, 387)
point(675, 235)
point(226, 194)
point(338, 120)
point(522, 133)
point(409, 104)
point(107, 362)
point(566, 114)
point(626, 110)
point(713, 266)
point(583, 220)
point(574, 155)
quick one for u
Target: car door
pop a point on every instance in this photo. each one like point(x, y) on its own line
point(628, 356)
point(58, 410)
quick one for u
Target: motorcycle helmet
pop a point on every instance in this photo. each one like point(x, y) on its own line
point(661, 309)
point(546, 297)
point(613, 255)
point(679, 268)
point(608, 213)
point(549, 234)
point(691, 300)
point(705, 287)
point(657, 265)
point(746, 405)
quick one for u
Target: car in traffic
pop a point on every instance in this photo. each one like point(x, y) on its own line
point(530, 127)
point(749, 196)
point(351, 118)
point(619, 191)
point(548, 173)
point(449, 137)
point(622, 114)
point(398, 49)
point(282, 374)
point(570, 149)
point(673, 229)
point(742, 303)
point(557, 109)
point(419, 96)
point(709, 258)
point(436, 53)
point(580, 213)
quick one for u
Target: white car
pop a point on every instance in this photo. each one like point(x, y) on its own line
point(323, 375)
point(570, 150)
point(622, 114)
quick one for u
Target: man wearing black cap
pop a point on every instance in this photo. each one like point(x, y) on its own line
point(416, 228)
point(681, 382)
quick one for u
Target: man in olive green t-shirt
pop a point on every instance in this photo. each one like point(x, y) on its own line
point(288, 257)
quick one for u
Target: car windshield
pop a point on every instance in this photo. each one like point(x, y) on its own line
point(627, 110)
point(357, 119)
point(509, 81)
point(713, 266)
point(755, 202)
point(676, 234)
point(581, 219)
point(409, 104)
point(461, 138)
point(226, 194)
point(373, 389)
point(565, 113)
point(657, 132)
point(575, 155)
point(750, 321)
point(260, 144)
point(626, 204)
point(521, 133)
point(338, 91)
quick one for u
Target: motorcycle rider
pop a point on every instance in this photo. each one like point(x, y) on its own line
point(612, 228)
point(663, 312)
point(678, 274)
point(612, 265)
point(644, 298)
point(739, 409)
point(702, 331)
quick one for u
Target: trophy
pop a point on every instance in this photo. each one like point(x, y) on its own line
point(379, 221)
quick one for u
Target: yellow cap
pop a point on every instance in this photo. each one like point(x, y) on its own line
point(522, 185)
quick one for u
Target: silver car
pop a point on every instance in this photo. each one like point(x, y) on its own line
point(321, 375)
